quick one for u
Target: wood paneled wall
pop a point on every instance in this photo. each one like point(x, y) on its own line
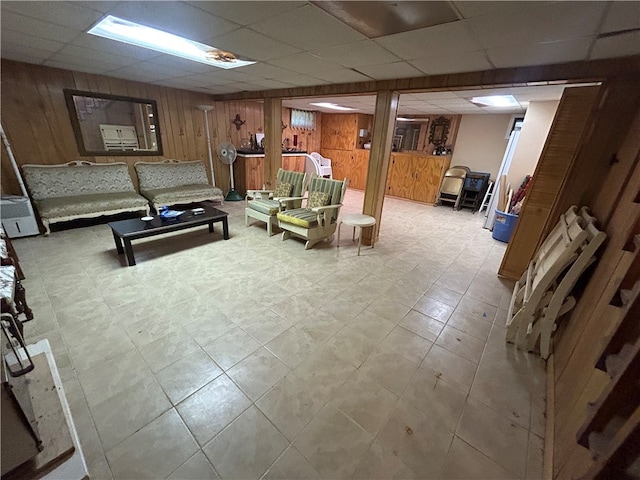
point(37, 123)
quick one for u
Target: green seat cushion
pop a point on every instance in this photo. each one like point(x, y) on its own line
point(182, 194)
point(89, 204)
point(300, 216)
point(268, 207)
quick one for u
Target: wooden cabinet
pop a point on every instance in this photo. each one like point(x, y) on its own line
point(358, 169)
point(416, 177)
point(339, 131)
point(293, 163)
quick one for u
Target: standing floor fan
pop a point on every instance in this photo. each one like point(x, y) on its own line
point(227, 154)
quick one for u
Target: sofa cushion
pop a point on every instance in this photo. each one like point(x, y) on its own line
point(66, 181)
point(89, 204)
point(268, 207)
point(283, 189)
point(300, 216)
point(158, 175)
point(182, 194)
point(318, 199)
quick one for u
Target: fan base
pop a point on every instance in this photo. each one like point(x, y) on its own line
point(233, 196)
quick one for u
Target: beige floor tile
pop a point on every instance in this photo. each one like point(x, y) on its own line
point(420, 324)
point(107, 344)
point(351, 346)
point(411, 346)
point(420, 442)
point(232, 347)
point(292, 403)
point(320, 325)
point(474, 326)
point(206, 330)
point(434, 309)
point(246, 448)
point(212, 408)
point(501, 440)
point(196, 468)
point(119, 416)
point(450, 367)
point(333, 444)
point(465, 462)
point(389, 310)
point(294, 308)
point(165, 350)
point(343, 309)
point(190, 373)
point(258, 373)
point(155, 450)
point(365, 401)
point(461, 343)
point(443, 295)
point(435, 398)
point(291, 465)
point(373, 326)
point(379, 463)
point(457, 281)
point(292, 346)
point(389, 369)
point(477, 307)
point(265, 326)
point(405, 292)
point(326, 370)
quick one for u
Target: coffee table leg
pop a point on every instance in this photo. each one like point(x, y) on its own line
point(225, 228)
point(131, 261)
point(210, 227)
point(118, 241)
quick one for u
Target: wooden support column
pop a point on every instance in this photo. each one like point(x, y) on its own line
point(272, 139)
point(382, 139)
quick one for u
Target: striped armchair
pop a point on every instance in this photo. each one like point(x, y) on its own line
point(318, 219)
point(263, 205)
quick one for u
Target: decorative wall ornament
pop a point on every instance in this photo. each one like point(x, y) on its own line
point(238, 122)
point(439, 131)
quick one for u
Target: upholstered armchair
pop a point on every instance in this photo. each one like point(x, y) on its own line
point(318, 219)
point(263, 205)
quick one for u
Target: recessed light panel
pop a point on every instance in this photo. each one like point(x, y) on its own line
point(332, 106)
point(132, 33)
point(497, 101)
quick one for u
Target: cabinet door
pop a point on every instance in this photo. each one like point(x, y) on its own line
point(359, 168)
point(339, 131)
point(400, 180)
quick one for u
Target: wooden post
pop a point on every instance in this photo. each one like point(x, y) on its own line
point(273, 139)
point(383, 130)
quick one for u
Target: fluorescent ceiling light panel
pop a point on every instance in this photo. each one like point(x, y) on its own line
point(497, 101)
point(132, 33)
point(332, 106)
point(403, 119)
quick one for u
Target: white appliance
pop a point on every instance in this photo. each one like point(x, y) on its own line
point(490, 217)
point(16, 212)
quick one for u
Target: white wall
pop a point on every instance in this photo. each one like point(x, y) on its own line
point(535, 128)
point(480, 143)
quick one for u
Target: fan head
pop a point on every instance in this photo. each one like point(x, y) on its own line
point(227, 153)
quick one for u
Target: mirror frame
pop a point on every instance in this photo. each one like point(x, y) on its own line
point(77, 129)
point(439, 131)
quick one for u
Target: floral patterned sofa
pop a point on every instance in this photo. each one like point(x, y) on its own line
point(171, 182)
point(82, 190)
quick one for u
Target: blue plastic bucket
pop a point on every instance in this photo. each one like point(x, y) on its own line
point(504, 225)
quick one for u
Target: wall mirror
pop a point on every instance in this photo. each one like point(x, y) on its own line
point(113, 125)
point(439, 131)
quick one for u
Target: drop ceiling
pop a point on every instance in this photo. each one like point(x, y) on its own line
point(299, 43)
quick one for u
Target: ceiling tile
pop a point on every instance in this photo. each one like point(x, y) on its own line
point(265, 70)
point(460, 62)
point(550, 22)
point(245, 42)
point(247, 87)
point(154, 69)
point(205, 79)
point(178, 18)
point(618, 46)
point(305, 81)
point(341, 76)
point(116, 48)
point(80, 64)
point(89, 54)
point(188, 66)
point(308, 28)
point(78, 16)
point(99, 5)
point(305, 63)
point(271, 84)
point(13, 51)
point(390, 70)
point(216, 89)
point(476, 9)
point(540, 54)
point(38, 28)
point(19, 38)
point(622, 16)
point(21, 56)
point(451, 38)
point(246, 13)
point(366, 52)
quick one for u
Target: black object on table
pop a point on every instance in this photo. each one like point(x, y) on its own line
point(126, 230)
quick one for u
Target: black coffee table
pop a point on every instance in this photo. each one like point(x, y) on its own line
point(126, 230)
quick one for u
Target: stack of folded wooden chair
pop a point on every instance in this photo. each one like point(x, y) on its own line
point(542, 294)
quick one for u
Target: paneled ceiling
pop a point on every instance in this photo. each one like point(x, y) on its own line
point(297, 43)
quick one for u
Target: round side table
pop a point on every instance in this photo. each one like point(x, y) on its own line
point(356, 220)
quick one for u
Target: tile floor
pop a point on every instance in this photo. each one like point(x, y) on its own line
point(253, 358)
